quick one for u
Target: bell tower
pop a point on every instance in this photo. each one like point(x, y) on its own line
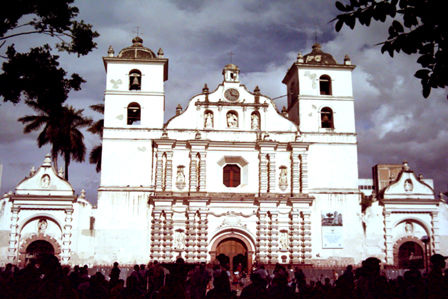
point(134, 104)
point(321, 103)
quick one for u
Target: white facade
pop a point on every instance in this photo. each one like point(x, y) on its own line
point(229, 175)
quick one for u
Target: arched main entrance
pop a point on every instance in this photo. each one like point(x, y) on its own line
point(234, 252)
point(39, 247)
point(410, 255)
point(233, 246)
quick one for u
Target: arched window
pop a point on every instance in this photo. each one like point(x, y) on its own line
point(231, 175)
point(326, 118)
point(325, 85)
point(134, 112)
point(135, 80)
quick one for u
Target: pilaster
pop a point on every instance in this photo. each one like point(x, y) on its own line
point(66, 237)
point(307, 236)
point(388, 238)
point(13, 235)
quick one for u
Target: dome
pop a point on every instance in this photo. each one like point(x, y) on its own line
point(317, 56)
point(230, 67)
point(137, 51)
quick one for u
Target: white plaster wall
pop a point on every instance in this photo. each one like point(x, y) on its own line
point(122, 227)
point(118, 71)
point(353, 236)
point(332, 166)
point(151, 109)
point(5, 229)
point(443, 231)
point(83, 239)
point(343, 114)
point(126, 162)
point(341, 81)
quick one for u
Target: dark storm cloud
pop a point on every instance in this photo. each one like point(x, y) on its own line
point(393, 121)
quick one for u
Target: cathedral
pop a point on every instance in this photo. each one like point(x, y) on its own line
point(229, 177)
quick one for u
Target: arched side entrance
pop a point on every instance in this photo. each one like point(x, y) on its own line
point(36, 245)
point(235, 248)
point(409, 252)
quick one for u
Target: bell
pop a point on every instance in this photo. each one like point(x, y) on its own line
point(135, 83)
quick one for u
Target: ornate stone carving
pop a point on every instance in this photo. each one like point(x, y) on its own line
point(45, 181)
point(42, 225)
point(283, 178)
point(180, 177)
point(255, 121)
point(232, 120)
point(208, 120)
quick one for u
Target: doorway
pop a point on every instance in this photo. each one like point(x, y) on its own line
point(234, 252)
point(38, 248)
point(410, 255)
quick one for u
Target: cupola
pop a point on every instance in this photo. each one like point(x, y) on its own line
point(231, 73)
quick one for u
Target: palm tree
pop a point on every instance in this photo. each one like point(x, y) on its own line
point(97, 128)
point(62, 126)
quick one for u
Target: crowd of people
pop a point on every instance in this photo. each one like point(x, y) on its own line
point(46, 278)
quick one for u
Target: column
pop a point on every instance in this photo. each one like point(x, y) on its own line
point(202, 235)
point(66, 237)
point(295, 173)
point(272, 172)
point(274, 238)
point(13, 235)
point(190, 237)
point(156, 231)
point(262, 237)
point(307, 235)
point(295, 237)
point(169, 171)
point(168, 236)
point(159, 171)
point(388, 238)
point(263, 173)
point(435, 233)
point(303, 172)
point(202, 172)
point(193, 172)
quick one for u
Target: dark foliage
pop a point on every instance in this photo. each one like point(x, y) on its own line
point(418, 27)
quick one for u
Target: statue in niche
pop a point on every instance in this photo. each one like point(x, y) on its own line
point(208, 122)
point(408, 187)
point(45, 181)
point(179, 239)
point(232, 120)
point(42, 226)
point(283, 240)
point(283, 178)
point(409, 227)
point(180, 177)
point(254, 121)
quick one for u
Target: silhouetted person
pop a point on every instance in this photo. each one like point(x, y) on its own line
point(199, 281)
point(221, 285)
point(114, 275)
point(255, 290)
point(436, 283)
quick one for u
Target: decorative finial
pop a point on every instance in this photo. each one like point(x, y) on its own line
point(257, 90)
point(405, 166)
point(178, 109)
point(47, 161)
point(83, 194)
point(32, 170)
point(160, 53)
point(284, 111)
point(61, 172)
point(300, 58)
point(347, 60)
point(110, 52)
point(420, 177)
point(205, 88)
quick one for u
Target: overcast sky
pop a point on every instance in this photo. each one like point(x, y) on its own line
point(394, 122)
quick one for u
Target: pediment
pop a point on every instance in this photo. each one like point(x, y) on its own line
point(231, 108)
point(408, 186)
point(44, 182)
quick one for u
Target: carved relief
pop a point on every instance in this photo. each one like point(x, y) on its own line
point(283, 178)
point(232, 119)
point(208, 119)
point(284, 240)
point(180, 177)
point(45, 181)
point(179, 239)
point(42, 226)
point(255, 121)
point(408, 186)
